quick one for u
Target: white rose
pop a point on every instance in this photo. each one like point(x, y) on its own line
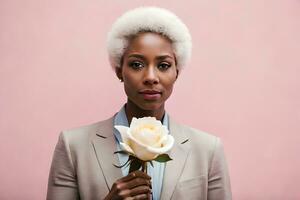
point(146, 138)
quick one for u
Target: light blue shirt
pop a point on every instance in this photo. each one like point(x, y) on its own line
point(157, 171)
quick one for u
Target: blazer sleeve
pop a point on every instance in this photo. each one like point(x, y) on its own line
point(218, 178)
point(62, 183)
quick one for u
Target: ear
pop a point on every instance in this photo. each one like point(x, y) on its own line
point(177, 73)
point(118, 71)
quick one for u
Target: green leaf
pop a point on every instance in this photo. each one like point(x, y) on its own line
point(121, 152)
point(151, 163)
point(123, 164)
point(163, 158)
point(135, 164)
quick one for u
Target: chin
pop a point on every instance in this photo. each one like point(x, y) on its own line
point(150, 106)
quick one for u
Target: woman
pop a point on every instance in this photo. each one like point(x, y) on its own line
point(148, 48)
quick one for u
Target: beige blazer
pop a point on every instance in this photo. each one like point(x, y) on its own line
point(83, 157)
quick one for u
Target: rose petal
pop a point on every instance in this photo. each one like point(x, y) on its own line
point(131, 138)
point(144, 121)
point(161, 141)
point(152, 121)
point(164, 131)
point(126, 147)
point(167, 146)
point(147, 136)
point(134, 122)
point(141, 151)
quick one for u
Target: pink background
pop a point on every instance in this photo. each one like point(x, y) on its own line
point(242, 85)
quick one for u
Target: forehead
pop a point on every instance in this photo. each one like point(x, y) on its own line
point(150, 43)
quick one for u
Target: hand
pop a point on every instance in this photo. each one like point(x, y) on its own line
point(134, 186)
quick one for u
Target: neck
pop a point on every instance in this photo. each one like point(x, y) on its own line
point(132, 110)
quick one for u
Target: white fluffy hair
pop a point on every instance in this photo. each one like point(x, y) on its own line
point(149, 19)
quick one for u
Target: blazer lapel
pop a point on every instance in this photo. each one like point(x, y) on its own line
point(179, 155)
point(104, 144)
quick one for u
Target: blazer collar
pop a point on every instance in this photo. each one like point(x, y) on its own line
point(105, 144)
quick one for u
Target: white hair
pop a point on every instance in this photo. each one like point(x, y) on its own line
point(149, 19)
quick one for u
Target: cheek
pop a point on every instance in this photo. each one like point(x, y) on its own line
point(128, 79)
point(170, 80)
point(130, 86)
point(128, 89)
point(169, 88)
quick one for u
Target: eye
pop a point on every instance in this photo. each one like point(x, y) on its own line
point(164, 66)
point(136, 65)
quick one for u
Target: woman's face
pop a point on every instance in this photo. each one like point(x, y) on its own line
point(148, 70)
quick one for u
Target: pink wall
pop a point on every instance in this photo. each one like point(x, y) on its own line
point(242, 85)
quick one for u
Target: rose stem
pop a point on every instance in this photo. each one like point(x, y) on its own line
point(144, 167)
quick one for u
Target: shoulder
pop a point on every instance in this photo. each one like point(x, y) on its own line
point(199, 135)
point(196, 138)
point(205, 151)
point(86, 133)
point(201, 140)
point(203, 145)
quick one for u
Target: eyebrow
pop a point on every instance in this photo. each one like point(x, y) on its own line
point(143, 57)
point(136, 56)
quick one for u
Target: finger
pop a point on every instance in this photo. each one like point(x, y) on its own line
point(140, 197)
point(124, 194)
point(138, 182)
point(140, 190)
point(133, 175)
point(129, 198)
point(142, 174)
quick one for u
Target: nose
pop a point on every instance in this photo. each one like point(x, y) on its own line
point(150, 76)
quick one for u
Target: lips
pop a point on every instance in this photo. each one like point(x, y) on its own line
point(150, 94)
